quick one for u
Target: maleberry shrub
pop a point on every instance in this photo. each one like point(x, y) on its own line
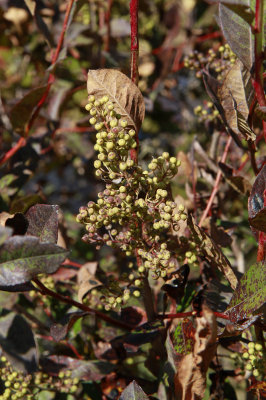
point(135, 212)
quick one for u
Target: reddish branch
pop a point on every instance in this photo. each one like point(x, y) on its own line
point(51, 79)
point(134, 61)
point(45, 291)
point(261, 256)
point(134, 6)
point(258, 80)
point(190, 314)
point(217, 182)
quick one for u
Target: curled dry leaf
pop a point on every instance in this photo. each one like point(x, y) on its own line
point(127, 98)
point(190, 379)
point(87, 280)
point(235, 96)
point(212, 252)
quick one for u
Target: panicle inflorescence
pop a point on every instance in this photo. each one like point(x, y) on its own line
point(135, 211)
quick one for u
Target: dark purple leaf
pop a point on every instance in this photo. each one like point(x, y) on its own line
point(60, 330)
point(22, 258)
point(42, 25)
point(249, 295)
point(21, 112)
point(238, 183)
point(86, 370)
point(5, 233)
point(43, 222)
point(17, 342)
point(259, 221)
point(18, 223)
point(133, 392)
point(22, 287)
point(256, 198)
point(234, 329)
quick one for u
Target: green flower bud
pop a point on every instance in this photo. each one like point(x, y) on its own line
point(91, 99)
point(88, 107)
point(113, 123)
point(97, 164)
point(123, 123)
point(93, 120)
point(122, 166)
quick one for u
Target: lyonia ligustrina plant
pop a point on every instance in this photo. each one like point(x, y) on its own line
point(149, 280)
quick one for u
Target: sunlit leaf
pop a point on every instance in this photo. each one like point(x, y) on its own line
point(250, 294)
point(127, 98)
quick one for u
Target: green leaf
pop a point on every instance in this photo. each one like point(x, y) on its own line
point(133, 392)
point(43, 222)
point(21, 112)
point(237, 32)
point(250, 293)
point(22, 258)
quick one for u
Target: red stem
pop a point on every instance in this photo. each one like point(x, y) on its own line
point(134, 62)
point(73, 263)
point(261, 256)
point(258, 79)
point(51, 79)
point(45, 291)
point(190, 314)
point(217, 182)
point(134, 6)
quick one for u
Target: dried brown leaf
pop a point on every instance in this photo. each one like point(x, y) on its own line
point(190, 379)
point(235, 96)
point(127, 98)
point(212, 252)
point(87, 280)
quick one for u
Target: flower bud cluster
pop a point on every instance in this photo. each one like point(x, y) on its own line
point(134, 212)
point(255, 360)
point(217, 62)
point(206, 113)
point(19, 386)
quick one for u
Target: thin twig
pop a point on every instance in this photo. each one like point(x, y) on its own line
point(51, 78)
point(216, 184)
point(45, 291)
